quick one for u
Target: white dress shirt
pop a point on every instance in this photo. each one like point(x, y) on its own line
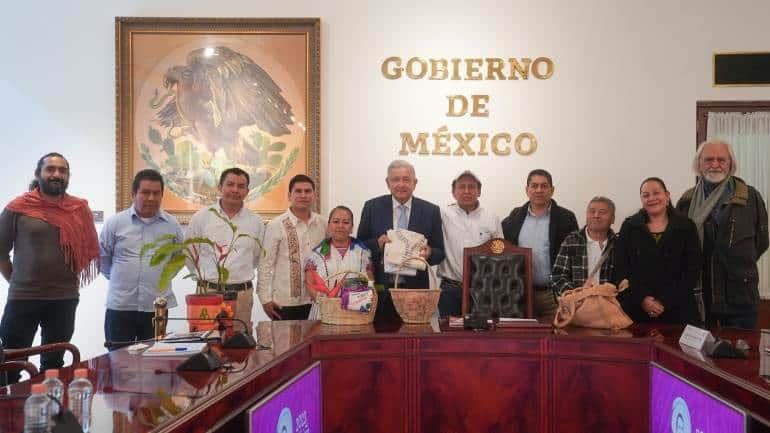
point(463, 230)
point(594, 250)
point(246, 252)
point(397, 211)
point(274, 278)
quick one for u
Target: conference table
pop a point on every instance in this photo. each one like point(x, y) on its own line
point(395, 377)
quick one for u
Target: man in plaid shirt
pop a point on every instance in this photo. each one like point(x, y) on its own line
point(582, 249)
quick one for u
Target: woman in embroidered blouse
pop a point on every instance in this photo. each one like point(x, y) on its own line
point(338, 252)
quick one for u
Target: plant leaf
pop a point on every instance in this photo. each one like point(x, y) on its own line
point(278, 146)
point(158, 241)
point(168, 146)
point(224, 273)
point(164, 251)
point(147, 247)
point(274, 160)
point(246, 235)
point(233, 227)
point(154, 136)
point(170, 270)
point(199, 240)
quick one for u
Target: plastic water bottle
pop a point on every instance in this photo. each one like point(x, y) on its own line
point(36, 410)
point(79, 395)
point(55, 388)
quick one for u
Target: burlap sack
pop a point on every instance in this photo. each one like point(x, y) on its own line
point(592, 307)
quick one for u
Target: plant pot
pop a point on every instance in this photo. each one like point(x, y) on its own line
point(202, 311)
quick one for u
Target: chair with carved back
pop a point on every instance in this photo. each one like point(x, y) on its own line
point(16, 359)
point(497, 279)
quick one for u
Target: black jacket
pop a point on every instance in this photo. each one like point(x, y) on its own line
point(730, 275)
point(666, 270)
point(563, 222)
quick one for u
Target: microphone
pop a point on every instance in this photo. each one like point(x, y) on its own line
point(239, 339)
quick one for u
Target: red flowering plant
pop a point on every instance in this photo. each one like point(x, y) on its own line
point(174, 255)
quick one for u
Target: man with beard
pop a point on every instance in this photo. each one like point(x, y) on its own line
point(731, 218)
point(214, 222)
point(55, 251)
point(133, 283)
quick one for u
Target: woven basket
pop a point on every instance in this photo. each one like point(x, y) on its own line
point(415, 305)
point(332, 313)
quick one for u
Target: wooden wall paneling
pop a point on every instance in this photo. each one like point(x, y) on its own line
point(486, 382)
point(599, 385)
point(480, 393)
point(364, 394)
point(599, 396)
point(364, 384)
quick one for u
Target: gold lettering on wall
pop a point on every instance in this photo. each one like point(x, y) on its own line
point(548, 68)
point(438, 69)
point(496, 146)
point(391, 68)
point(408, 142)
point(520, 69)
point(446, 142)
point(530, 149)
point(466, 143)
point(472, 69)
point(422, 67)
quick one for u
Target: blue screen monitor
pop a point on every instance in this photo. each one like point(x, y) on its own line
point(295, 407)
point(679, 406)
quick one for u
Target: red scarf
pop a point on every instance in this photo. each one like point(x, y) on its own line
point(77, 234)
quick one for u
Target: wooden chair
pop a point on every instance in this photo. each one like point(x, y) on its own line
point(27, 366)
point(16, 359)
point(504, 282)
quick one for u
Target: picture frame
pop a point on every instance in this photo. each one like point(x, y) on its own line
point(198, 95)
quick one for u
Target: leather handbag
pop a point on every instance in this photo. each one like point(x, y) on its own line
point(592, 307)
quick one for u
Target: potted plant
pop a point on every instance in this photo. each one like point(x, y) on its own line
point(173, 256)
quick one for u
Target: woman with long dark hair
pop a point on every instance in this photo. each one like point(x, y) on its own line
point(659, 253)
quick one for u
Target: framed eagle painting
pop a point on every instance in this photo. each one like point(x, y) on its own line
point(199, 95)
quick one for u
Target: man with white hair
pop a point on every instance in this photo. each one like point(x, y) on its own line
point(400, 209)
point(732, 224)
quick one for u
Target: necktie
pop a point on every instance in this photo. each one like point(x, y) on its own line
point(402, 224)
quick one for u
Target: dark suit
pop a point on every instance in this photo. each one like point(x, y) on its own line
point(377, 219)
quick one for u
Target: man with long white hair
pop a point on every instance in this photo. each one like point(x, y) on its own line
point(732, 224)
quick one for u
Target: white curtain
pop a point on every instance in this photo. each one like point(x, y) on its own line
point(750, 136)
